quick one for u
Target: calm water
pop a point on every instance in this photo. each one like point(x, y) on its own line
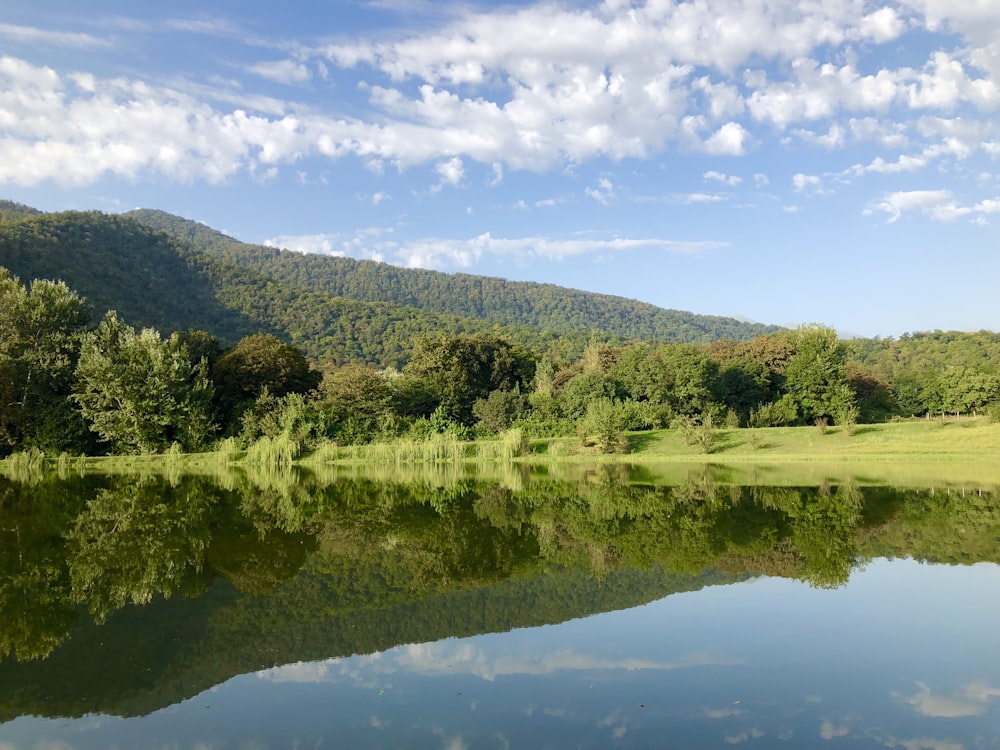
point(523, 611)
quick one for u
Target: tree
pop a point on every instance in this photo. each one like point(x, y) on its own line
point(816, 376)
point(40, 331)
point(140, 393)
point(355, 398)
point(459, 370)
point(258, 362)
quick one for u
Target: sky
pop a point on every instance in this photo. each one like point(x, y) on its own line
point(785, 161)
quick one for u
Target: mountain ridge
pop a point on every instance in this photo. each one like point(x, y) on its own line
point(334, 309)
point(491, 298)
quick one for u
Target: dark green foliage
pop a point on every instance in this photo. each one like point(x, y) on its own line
point(256, 364)
point(498, 411)
point(584, 389)
point(459, 370)
point(543, 306)
point(935, 372)
point(116, 263)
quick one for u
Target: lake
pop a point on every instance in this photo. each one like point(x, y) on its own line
point(537, 608)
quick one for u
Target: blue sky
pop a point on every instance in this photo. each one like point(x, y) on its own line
point(790, 161)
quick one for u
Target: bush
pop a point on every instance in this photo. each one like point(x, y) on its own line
point(780, 413)
point(604, 426)
point(847, 418)
point(993, 411)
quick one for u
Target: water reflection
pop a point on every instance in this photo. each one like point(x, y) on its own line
point(413, 607)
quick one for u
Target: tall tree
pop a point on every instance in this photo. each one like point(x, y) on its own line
point(459, 370)
point(816, 376)
point(140, 393)
point(258, 363)
point(40, 329)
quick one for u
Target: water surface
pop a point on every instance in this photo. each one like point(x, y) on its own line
point(525, 611)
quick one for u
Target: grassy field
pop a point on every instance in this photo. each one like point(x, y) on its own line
point(966, 439)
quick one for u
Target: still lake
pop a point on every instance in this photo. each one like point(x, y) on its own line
point(525, 609)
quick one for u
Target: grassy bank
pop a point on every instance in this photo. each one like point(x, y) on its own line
point(966, 439)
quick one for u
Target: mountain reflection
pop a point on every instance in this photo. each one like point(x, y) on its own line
point(124, 594)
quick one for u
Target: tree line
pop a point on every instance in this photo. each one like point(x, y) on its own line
point(68, 385)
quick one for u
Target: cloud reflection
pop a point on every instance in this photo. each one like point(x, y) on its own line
point(969, 700)
point(448, 658)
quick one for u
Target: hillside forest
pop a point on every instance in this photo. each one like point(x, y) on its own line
point(120, 337)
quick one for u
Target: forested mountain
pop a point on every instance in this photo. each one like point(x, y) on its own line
point(158, 281)
point(337, 310)
point(545, 306)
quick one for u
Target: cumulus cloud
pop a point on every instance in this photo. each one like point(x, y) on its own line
point(451, 172)
point(730, 140)
point(828, 730)
point(939, 205)
point(725, 179)
point(495, 86)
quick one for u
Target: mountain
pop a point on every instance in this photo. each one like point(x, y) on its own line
point(171, 274)
point(545, 306)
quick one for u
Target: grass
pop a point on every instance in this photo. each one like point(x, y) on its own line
point(967, 439)
point(944, 451)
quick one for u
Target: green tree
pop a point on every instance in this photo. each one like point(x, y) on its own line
point(459, 370)
point(356, 399)
point(40, 331)
point(816, 376)
point(256, 363)
point(140, 393)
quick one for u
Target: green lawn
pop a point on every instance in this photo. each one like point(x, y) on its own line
point(965, 439)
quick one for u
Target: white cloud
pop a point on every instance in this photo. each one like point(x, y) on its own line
point(322, 244)
point(725, 179)
point(730, 140)
point(803, 182)
point(604, 193)
point(33, 35)
point(463, 657)
point(750, 734)
point(688, 199)
point(495, 86)
point(441, 253)
point(380, 197)
point(939, 205)
point(882, 25)
point(451, 173)
point(926, 743)
point(282, 71)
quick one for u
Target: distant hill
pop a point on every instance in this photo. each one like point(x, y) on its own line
point(9, 210)
point(171, 274)
point(545, 306)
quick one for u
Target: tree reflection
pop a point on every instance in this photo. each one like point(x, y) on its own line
point(296, 566)
point(141, 537)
